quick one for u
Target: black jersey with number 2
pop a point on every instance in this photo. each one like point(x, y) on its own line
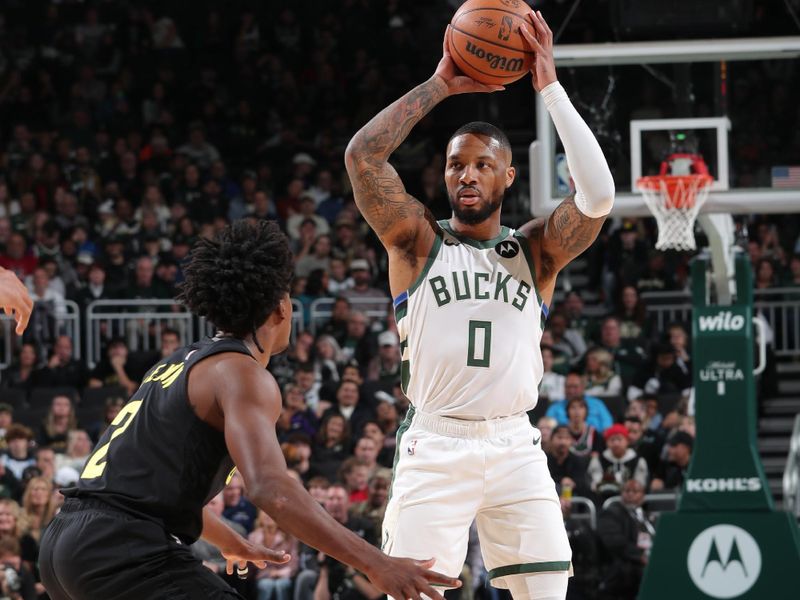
point(158, 459)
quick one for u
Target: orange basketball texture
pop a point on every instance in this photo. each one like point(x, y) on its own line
point(485, 41)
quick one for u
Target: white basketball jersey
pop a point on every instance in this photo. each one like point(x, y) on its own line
point(470, 328)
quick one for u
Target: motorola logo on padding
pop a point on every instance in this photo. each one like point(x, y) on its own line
point(724, 561)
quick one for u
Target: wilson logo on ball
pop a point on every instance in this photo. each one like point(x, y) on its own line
point(495, 61)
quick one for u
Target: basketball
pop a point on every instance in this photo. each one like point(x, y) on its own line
point(485, 41)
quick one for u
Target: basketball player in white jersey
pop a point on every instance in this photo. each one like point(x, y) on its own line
point(471, 300)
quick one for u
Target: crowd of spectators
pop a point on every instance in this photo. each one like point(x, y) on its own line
point(127, 132)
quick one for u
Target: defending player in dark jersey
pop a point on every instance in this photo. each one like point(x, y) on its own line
point(124, 530)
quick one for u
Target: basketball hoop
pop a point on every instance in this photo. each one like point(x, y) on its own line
point(675, 201)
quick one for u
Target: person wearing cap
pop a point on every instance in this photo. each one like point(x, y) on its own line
point(386, 365)
point(616, 464)
point(362, 291)
point(669, 474)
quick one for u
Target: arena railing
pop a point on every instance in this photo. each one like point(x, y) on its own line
point(140, 323)
point(779, 306)
point(669, 500)
point(791, 473)
point(588, 511)
point(321, 310)
point(45, 326)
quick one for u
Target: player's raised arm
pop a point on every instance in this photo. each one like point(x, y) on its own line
point(379, 193)
point(575, 223)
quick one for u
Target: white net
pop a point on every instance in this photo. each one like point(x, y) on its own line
point(675, 201)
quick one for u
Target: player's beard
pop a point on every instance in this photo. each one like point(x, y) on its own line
point(472, 215)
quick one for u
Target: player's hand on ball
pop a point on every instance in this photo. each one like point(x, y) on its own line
point(255, 553)
point(540, 38)
point(407, 579)
point(457, 83)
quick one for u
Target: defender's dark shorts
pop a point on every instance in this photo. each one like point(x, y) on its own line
point(94, 551)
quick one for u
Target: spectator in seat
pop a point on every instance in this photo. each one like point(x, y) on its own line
point(306, 207)
point(567, 469)
point(679, 340)
point(337, 580)
point(386, 365)
point(318, 258)
point(354, 473)
point(629, 356)
point(79, 447)
point(669, 474)
point(374, 507)
point(551, 387)
point(565, 340)
point(337, 325)
point(38, 506)
point(114, 369)
point(62, 370)
point(646, 443)
point(631, 314)
point(616, 464)
point(46, 462)
point(274, 582)
point(366, 450)
point(662, 376)
point(19, 375)
point(96, 288)
point(339, 280)
point(13, 526)
point(43, 293)
point(575, 387)
point(358, 342)
point(328, 358)
point(17, 258)
point(601, 380)
point(348, 406)
point(25, 587)
point(60, 420)
point(9, 485)
point(330, 448)
point(577, 321)
point(627, 534)
point(587, 440)
point(363, 290)
point(18, 457)
point(6, 419)
point(385, 452)
point(237, 507)
point(301, 419)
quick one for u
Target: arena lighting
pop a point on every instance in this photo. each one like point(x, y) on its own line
point(634, 53)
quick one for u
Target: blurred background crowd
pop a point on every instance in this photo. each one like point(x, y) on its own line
point(129, 130)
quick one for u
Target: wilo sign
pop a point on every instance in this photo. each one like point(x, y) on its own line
point(724, 320)
point(726, 540)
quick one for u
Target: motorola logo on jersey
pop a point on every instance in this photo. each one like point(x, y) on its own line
point(507, 249)
point(724, 561)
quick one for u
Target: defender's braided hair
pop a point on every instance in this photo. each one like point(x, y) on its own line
point(238, 278)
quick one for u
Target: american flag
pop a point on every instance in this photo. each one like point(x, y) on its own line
point(786, 177)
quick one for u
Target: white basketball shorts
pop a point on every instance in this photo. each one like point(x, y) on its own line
point(449, 472)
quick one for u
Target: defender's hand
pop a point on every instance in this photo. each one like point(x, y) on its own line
point(406, 579)
point(458, 83)
point(540, 38)
point(257, 554)
point(14, 299)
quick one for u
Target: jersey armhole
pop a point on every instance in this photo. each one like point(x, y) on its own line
point(526, 250)
point(434, 252)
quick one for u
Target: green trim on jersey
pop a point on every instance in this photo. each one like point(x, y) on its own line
point(526, 250)
point(399, 438)
point(482, 244)
point(437, 243)
point(524, 568)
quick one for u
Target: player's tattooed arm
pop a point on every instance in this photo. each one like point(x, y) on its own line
point(567, 233)
point(379, 193)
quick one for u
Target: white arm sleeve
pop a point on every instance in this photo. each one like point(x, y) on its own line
point(594, 185)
